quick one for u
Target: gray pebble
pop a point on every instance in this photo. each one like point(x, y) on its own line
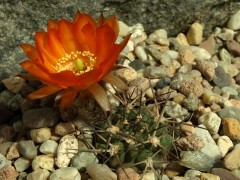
point(175, 111)
point(38, 118)
point(156, 54)
point(21, 164)
point(27, 149)
point(230, 91)
point(229, 112)
point(82, 159)
point(221, 78)
point(137, 64)
point(196, 160)
point(65, 173)
point(155, 72)
point(41, 174)
point(191, 102)
point(163, 83)
point(225, 56)
point(3, 161)
point(49, 147)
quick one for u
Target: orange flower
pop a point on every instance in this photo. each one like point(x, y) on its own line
point(73, 56)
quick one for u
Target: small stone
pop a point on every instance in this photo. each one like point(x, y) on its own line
point(234, 47)
point(6, 133)
point(159, 37)
point(141, 53)
point(229, 112)
point(187, 128)
point(231, 128)
point(49, 147)
point(173, 169)
point(4, 161)
point(41, 174)
point(40, 135)
point(210, 147)
point(65, 173)
point(43, 162)
point(195, 34)
point(196, 160)
point(38, 118)
point(229, 68)
point(225, 56)
point(209, 44)
point(200, 53)
point(137, 64)
point(175, 111)
point(208, 176)
point(27, 149)
point(232, 159)
point(127, 173)
point(14, 84)
point(63, 129)
point(230, 91)
point(221, 78)
point(12, 152)
point(223, 174)
point(138, 86)
point(210, 98)
point(123, 29)
point(182, 39)
point(190, 142)
point(148, 176)
point(21, 164)
point(8, 173)
point(126, 74)
point(237, 79)
point(100, 171)
point(155, 53)
point(206, 68)
point(186, 56)
point(234, 21)
point(82, 159)
point(191, 86)
point(191, 102)
point(4, 147)
point(235, 103)
point(225, 144)
point(226, 34)
point(67, 148)
point(212, 122)
point(191, 173)
point(15, 103)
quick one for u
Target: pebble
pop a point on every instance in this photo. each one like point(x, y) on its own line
point(234, 47)
point(234, 21)
point(211, 121)
point(13, 84)
point(63, 129)
point(235, 103)
point(14, 104)
point(200, 53)
point(149, 176)
point(225, 144)
point(175, 111)
point(82, 159)
point(230, 91)
point(224, 174)
point(27, 149)
point(40, 135)
point(13, 152)
point(40, 174)
point(229, 112)
point(159, 37)
point(127, 173)
point(137, 64)
point(191, 102)
point(231, 128)
point(191, 173)
point(67, 148)
point(226, 34)
point(182, 39)
point(187, 128)
point(38, 118)
point(191, 86)
point(195, 34)
point(209, 44)
point(237, 79)
point(155, 53)
point(230, 69)
point(141, 53)
point(186, 56)
point(206, 68)
point(190, 142)
point(232, 159)
point(43, 162)
point(123, 29)
point(4, 161)
point(138, 86)
point(5, 97)
point(208, 176)
point(100, 172)
point(173, 169)
point(8, 172)
point(6, 133)
point(196, 160)
point(126, 74)
point(49, 147)
point(210, 148)
point(222, 78)
point(225, 56)
point(21, 164)
point(4, 147)
point(65, 173)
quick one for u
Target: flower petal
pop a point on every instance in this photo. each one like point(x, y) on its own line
point(100, 96)
point(43, 92)
point(116, 81)
point(67, 98)
point(89, 35)
point(113, 23)
point(30, 51)
point(52, 24)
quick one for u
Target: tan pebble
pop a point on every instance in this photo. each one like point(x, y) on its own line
point(40, 135)
point(232, 159)
point(8, 172)
point(191, 86)
point(173, 169)
point(231, 128)
point(208, 176)
point(235, 103)
point(182, 39)
point(127, 173)
point(63, 129)
point(13, 152)
point(126, 74)
point(140, 53)
point(123, 29)
point(43, 162)
point(225, 144)
point(191, 142)
point(187, 128)
point(206, 68)
point(179, 98)
point(195, 34)
point(13, 84)
point(209, 44)
point(186, 56)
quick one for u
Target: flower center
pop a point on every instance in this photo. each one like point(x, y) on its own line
point(78, 62)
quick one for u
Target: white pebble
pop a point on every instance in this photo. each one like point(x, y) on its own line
point(225, 144)
point(212, 122)
point(234, 21)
